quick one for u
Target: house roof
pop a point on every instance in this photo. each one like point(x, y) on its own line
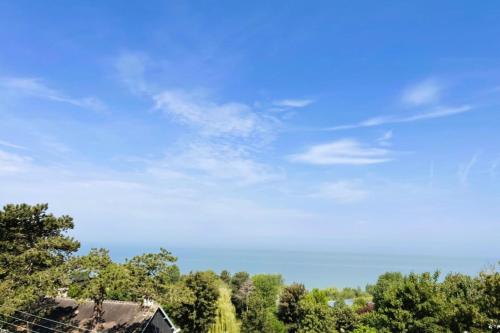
point(69, 315)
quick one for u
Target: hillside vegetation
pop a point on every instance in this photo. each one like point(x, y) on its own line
point(37, 259)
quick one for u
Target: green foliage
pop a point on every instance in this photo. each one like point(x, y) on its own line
point(268, 286)
point(241, 287)
point(315, 315)
point(100, 279)
point(463, 297)
point(33, 248)
point(489, 285)
point(288, 306)
point(260, 317)
point(261, 294)
point(225, 319)
point(197, 313)
point(412, 303)
point(36, 261)
point(225, 276)
point(152, 272)
point(364, 329)
point(346, 320)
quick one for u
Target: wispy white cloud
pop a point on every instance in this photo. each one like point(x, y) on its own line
point(493, 170)
point(215, 162)
point(37, 88)
point(293, 103)
point(11, 145)
point(344, 151)
point(438, 112)
point(423, 93)
point(385, 138)
point(343, 191)
point(465, 169)
point(13, 163)
point(131, 68)
point(211, 118)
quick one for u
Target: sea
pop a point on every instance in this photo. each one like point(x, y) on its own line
point(313, 269)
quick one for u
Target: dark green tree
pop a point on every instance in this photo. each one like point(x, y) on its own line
point(33, 247)
point(225, 276)
point(463, 304)
point(96, 277)
point(315, 314)
point(259, 317)
point(241, 287)
point(413, 303)
point(152, 273)
point(288, 306)
point(489, 286)
point(197, 313)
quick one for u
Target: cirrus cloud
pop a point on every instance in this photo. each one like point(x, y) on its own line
point(344, 151)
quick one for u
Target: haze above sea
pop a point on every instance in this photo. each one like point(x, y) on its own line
point(314, 269)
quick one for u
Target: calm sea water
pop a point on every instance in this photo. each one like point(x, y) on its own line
point(314, 269)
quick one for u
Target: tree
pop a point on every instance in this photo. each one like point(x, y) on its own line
point(33, 248)
point(198, 313)
point(152, 273)
point(463, 300)
point(315, 315)
point(412, 303)
point(225, 319)
point(269, 287)
point(261, 305)
point(288, 306)
point(99, 279)
point(225, 276)
point(259, 317)
point(489, 285)
point(241, 287)
point(346, 320)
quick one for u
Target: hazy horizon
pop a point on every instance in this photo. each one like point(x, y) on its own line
point(367, 127)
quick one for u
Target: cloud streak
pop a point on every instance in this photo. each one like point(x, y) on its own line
point(293, 103)
point(35, 87)
point(212, 119)
point(439, 112)
point(465, 169)
point(342, 192)
point(423, 93)
point(11, 145)
point(342, 152)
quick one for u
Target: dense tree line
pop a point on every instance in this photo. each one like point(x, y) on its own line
point(37, 259)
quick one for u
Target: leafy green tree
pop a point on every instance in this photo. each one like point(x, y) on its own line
point(241, 286)
point(98, 278)
point(259, 317)
point(413, 303)
point(346, 320)
point(489, 285)
point(225, 319)
point(152, 272)
point(268, 286)
point(225, 276)
point(241, 297)
point(288, 306)
point(463, 298)
point(198, 314)
point(33, 247)
point(315, 314)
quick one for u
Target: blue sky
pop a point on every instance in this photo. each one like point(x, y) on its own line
point(353, 126)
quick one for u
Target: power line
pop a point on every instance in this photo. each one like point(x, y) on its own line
point(51, 320)
point(33, 323)
point(17, 326)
